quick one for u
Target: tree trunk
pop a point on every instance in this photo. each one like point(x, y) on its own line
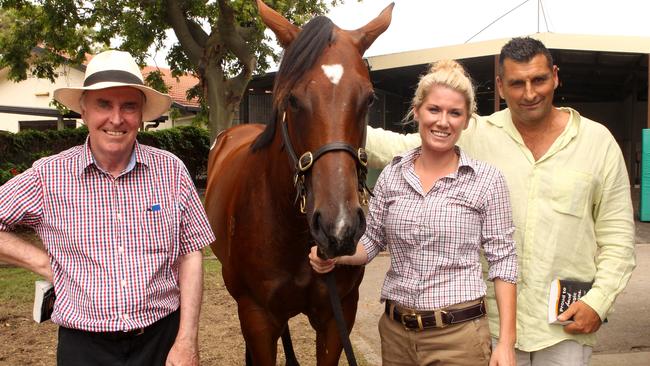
point(221, 107)
point(207, 52)
point(223, 97)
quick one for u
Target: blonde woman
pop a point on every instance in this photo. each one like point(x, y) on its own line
point(435, 208)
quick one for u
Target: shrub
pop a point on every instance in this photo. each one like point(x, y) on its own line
point(19, 150)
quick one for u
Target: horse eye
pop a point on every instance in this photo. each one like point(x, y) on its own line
point(293, 101)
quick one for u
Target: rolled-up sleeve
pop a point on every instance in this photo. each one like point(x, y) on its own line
point(21, 201)
point(497, 232)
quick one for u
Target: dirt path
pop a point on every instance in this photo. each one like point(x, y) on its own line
point(26, 343)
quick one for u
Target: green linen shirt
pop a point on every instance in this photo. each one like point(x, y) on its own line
point(572, 210)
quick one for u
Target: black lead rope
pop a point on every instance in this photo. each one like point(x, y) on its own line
point(330, 280)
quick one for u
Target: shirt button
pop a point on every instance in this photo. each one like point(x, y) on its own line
point(125, 316)
point(123, 282)
point(118, 216)
point(121, 249)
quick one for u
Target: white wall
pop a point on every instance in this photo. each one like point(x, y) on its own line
point(32, 92)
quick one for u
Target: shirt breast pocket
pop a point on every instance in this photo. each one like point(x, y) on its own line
point(157, 230)
point(571, 191)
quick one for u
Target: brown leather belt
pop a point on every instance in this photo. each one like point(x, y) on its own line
point(416, 320)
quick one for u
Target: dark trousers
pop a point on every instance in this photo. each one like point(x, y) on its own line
point(78, 347)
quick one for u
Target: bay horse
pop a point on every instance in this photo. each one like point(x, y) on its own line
point(311, 152)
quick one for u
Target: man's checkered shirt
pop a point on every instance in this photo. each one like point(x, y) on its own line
point(114, 243)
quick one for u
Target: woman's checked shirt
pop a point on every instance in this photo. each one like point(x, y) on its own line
point(113, 243)
point(435, 238)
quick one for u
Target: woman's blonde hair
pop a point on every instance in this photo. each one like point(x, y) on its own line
point(450, 74)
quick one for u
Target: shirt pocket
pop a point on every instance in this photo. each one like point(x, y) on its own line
point(571, 190)
point(401, 221)
point(157, 230)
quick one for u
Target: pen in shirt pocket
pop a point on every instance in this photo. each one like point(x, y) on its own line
point(154, 208)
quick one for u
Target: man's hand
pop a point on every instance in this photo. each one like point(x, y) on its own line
point(585, 319)
point(503, 355)
point(183, 353)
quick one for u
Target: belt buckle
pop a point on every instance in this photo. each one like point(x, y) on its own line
point(416, 317)
point(443, 320)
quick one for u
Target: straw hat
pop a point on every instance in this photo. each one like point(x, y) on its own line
point(111, 69)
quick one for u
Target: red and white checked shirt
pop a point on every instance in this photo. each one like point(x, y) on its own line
point(113, 243)
point(435, 238)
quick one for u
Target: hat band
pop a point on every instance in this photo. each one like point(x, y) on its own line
point(114, 76)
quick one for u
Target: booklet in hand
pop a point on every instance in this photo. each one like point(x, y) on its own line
point(561, 295)
point(44, 298)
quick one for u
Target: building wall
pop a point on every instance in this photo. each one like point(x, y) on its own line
point(32, 92)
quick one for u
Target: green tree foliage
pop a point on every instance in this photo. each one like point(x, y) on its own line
point(220, 41)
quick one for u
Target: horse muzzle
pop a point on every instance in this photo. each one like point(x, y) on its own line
point(337, 234)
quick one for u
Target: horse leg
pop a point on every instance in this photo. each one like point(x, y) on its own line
point(287, 345)
point(328, 341)
point(260, 332)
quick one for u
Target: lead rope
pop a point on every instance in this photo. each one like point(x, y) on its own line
point(330, 280)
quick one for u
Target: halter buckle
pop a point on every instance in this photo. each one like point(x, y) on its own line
point(306, 161)
point(362, 156)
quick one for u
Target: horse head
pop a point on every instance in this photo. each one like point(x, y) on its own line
point(321, 96)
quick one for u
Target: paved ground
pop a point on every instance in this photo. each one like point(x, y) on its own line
point(624, 340)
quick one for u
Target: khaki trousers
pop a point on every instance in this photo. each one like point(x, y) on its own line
point(463, 344)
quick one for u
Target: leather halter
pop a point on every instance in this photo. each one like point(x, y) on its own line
point(303, 165)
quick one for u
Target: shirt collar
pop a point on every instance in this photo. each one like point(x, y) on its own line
point(137, 156)
point(407, 158)
point(503, 119)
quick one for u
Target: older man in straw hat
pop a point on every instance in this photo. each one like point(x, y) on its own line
point(121, 225)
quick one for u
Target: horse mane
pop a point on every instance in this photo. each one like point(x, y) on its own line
point(301, 55)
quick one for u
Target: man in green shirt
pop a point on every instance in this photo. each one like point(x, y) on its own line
point(571, 201)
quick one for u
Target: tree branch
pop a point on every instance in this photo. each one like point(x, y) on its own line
point(232, 38)
point(185, 30)
point(198, 33)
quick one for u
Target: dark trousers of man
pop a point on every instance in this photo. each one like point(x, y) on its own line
point(77, 347)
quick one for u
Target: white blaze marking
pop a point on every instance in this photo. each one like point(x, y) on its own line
point(333, 72)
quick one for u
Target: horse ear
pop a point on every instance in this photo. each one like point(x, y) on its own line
point(364, 36)
point(283, 29)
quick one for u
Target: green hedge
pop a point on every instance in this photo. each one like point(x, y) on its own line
point(19, 150)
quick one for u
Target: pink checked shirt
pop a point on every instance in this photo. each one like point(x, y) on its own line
point(114, 243)
point(435, 238)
